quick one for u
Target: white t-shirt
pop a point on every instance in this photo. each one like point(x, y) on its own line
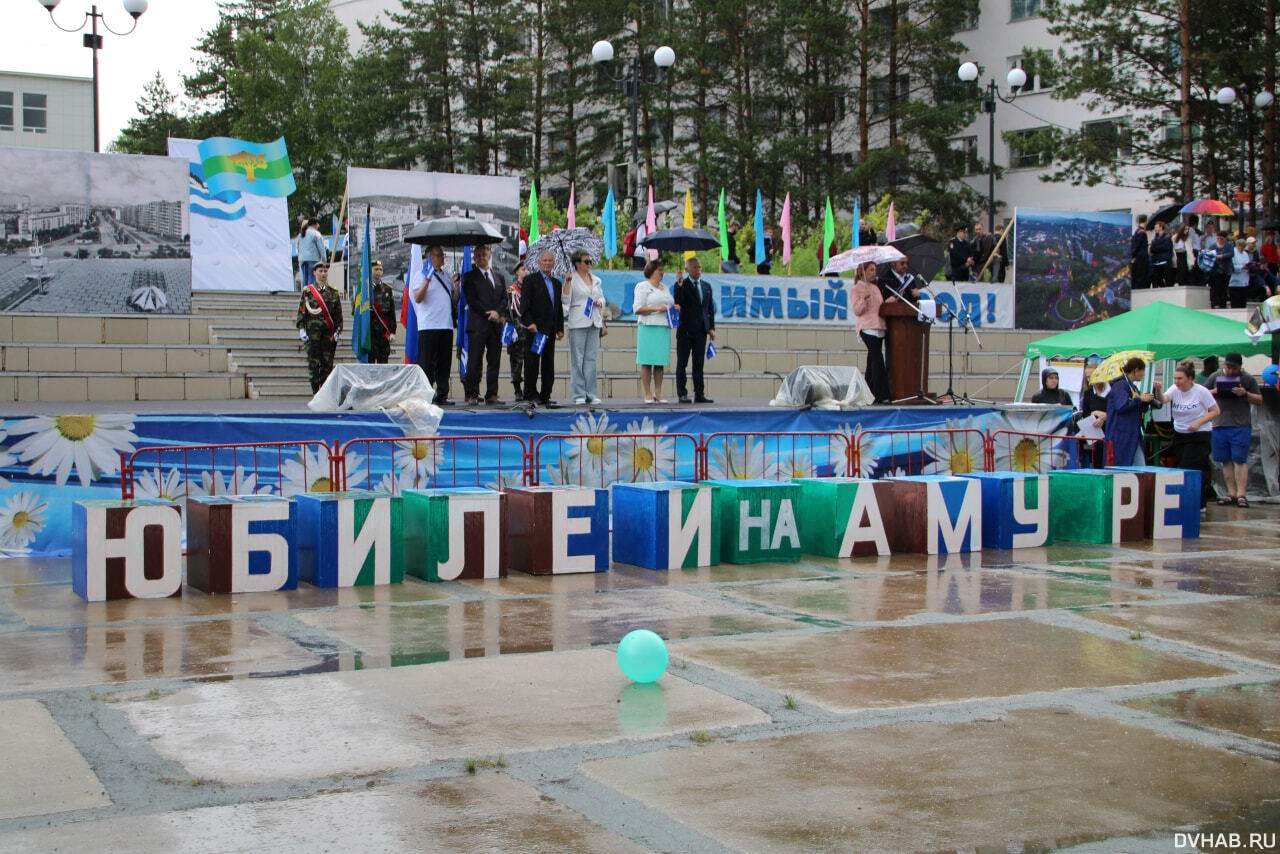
point(436, 309)
point(1189, 405)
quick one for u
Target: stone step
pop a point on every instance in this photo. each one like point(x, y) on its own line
point(31, 386)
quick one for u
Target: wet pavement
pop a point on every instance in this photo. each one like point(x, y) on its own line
point(1072, 697)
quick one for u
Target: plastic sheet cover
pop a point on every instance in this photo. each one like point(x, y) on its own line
point(401, 391)
point(824, 387)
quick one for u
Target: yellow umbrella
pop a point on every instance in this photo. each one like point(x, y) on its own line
point(1111, 367)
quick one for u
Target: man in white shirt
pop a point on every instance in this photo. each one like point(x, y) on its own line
point(435, 298)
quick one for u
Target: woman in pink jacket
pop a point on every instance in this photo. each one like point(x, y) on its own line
point(866, 300)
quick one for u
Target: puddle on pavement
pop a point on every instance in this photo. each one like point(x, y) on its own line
point(1248, 710)
point(1245, 627)
point(1244, 575)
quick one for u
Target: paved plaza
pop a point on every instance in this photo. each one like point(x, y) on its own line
point(1073, 697)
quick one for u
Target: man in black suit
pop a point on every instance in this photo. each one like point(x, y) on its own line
point(960, 256)
point(697, 322)
point(543, 312)
point(486, 292)
point(898, 281)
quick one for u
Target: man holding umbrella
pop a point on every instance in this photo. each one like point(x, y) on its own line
point(435, 299)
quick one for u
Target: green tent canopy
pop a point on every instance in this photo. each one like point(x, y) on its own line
point(1170, 331)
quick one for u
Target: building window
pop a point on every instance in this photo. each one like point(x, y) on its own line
point(880, 93)
point(967, 148)
point(1173, 128)
point(1019, 9)
point(35, 112)
point(1106, 140)
point(970, 20)
point(1038, 78)
point(6, 111)
point(1023, 153)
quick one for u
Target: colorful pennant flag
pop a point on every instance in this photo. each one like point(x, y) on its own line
point(534, 234)
point(786, 230)
point(828, 233)
point(573, 216)
point(759, 227)
point(857, 226)
point(409, 317)
point(724, 229)
point(464, 340)
point(651, 224)
point(610, 217)
point(363, 301)
point(235, 165)
point(890, 227)
point(688, 221)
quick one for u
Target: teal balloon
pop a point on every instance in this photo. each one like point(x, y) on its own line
point(642, 656)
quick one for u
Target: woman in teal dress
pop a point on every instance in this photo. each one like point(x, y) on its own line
point(650, 302)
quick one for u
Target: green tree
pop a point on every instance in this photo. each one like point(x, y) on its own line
point(157, 120)
point(1155, 66)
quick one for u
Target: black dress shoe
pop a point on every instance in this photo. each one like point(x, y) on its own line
point(703, 400)
point(684, 398)
point(549, 403)
point(445, 402)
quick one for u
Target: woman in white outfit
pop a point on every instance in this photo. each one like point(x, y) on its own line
point(583, 300)
point(653, 330)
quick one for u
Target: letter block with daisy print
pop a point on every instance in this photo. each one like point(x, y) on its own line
point(935, 514)
point(455, 533)
point(666, 525)
point(1095, 506)
point(349, 539)
point(758, 521)
point(1015, 509)
point(840, 516)
point(1170, 501)
point(126, 549)
point(557, 529)
point(242, 543)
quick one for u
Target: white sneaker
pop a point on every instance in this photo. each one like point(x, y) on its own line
point(578, 401)
point(595, 401)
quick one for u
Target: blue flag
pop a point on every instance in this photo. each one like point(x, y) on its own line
point(362, 301)
point(261, 168)
point(408, 316)
point(463, 338)
point(857, 226)
point(610, 217)
point(759, 227)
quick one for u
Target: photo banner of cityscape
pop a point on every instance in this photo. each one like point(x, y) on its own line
point(396, 198)
point(84, 233)
point(1072, 267)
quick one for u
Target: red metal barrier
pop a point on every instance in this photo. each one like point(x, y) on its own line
point(777, 456)
point(1016, 450)
point(300, 466)
point(959, 450)
point(599, 459)
point(389, 464)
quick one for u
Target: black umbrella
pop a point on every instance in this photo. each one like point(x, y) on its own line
point(925, 255)
point(453, 231)
point(1274, 225)
point(659, 208)
point(679, 239)
point(1166, 214)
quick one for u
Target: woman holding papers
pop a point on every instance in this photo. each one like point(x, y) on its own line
point(652, 303)
point(1193, 409)
point(583, 300)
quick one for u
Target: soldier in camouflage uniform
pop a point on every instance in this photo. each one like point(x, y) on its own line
point(516, 349)
point(319, 325)
point(382, 326)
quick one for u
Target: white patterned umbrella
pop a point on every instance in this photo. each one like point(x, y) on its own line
point(562, 243)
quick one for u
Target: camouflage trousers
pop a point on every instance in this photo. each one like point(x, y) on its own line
point(515, 354)
point(320, 352)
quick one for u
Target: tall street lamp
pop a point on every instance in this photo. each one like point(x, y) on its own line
point(1017, 78)
point(663, 57)
point(93, 41)
point(1226, 97)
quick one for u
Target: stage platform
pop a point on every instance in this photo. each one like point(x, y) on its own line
point(54, 455)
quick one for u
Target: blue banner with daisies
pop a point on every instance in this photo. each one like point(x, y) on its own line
point(48, 462)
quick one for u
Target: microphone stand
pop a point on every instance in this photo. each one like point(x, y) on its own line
point(964, 316)
point(920, 394)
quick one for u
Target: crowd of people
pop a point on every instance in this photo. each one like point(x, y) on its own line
point(530, 311)
point(1236, 268)
point(1210, 414)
